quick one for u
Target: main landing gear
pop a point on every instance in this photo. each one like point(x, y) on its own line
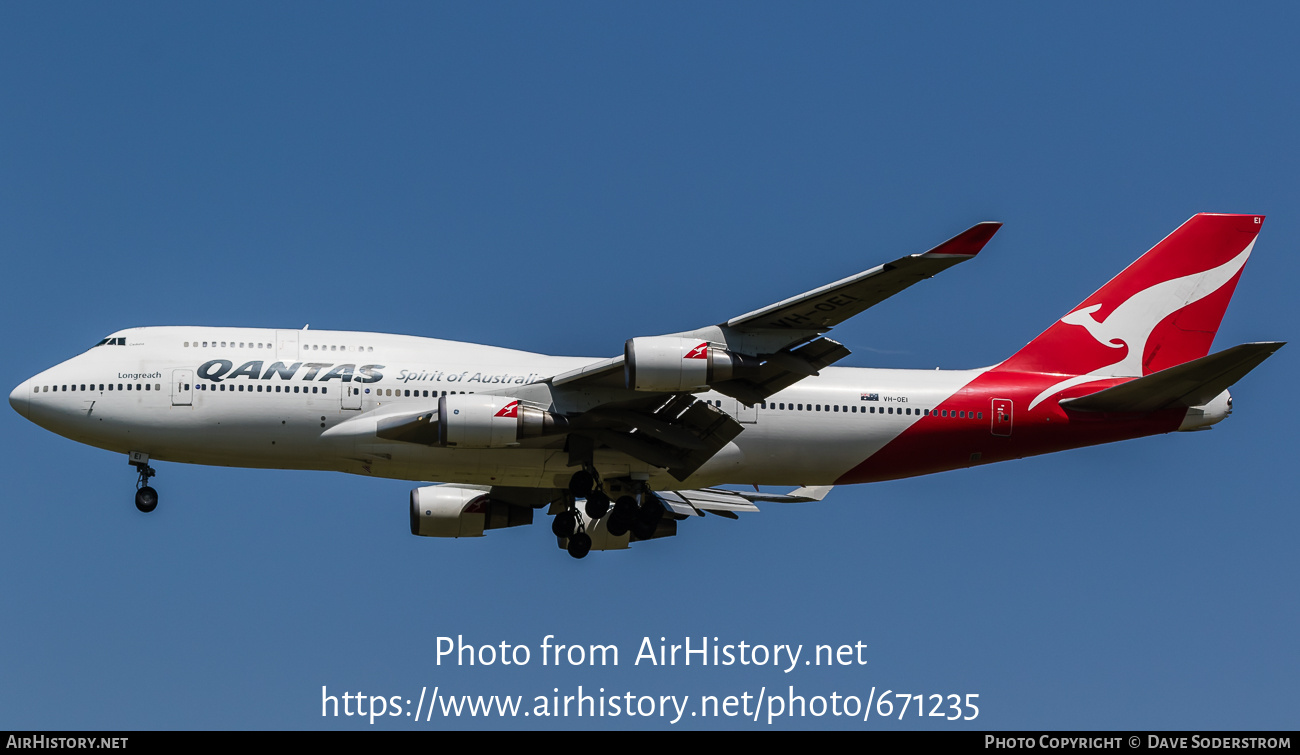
point(146, 498)
point(568, 524)
point(625, 515)
point(641, 520)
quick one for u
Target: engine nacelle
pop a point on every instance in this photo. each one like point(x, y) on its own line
point(453, 511)
point(467, 420)
point(671, 364)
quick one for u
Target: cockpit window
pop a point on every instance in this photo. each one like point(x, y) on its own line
point(119, 341)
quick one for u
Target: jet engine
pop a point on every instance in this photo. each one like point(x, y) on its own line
point(672, 364)
point(454, 511)
point(467, 420)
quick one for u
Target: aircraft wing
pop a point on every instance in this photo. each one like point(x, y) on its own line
point(767, 350)
point(785, 338)
point(828, 306)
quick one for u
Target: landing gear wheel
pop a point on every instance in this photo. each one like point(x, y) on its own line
point(146, 499)
point(647, 521)
point(581, 483)
point(597, 504)
point(622, 517)
point(579, 544)
point(565, 523)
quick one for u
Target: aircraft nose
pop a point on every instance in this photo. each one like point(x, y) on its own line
point(18, 399)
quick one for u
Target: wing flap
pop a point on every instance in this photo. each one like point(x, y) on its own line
point(784, 369)
point(679, 434)
point(727, 502)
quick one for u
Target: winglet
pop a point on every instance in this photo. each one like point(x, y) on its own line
point(968, 243)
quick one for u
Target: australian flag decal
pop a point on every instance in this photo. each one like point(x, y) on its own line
point(871, 397)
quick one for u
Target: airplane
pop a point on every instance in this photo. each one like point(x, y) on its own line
point(646, 438)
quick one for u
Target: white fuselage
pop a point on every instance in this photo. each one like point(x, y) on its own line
point(291, 399)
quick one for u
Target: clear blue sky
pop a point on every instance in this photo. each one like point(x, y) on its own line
point(560, 177)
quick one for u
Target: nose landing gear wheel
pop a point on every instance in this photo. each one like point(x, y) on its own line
point(146, 499)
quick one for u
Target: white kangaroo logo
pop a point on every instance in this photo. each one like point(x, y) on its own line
point(1131, 323)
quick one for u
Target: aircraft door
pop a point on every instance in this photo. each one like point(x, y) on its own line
point(743, 414)
point(1001, 416)
point(351, 397)
point(286, 345)
point(182, 387)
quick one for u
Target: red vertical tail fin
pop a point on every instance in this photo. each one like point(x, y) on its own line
point(1162, 310)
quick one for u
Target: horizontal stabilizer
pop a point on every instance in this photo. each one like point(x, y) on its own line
point(1193, 383)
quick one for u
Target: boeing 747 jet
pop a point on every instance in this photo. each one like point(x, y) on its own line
point(622, 449)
